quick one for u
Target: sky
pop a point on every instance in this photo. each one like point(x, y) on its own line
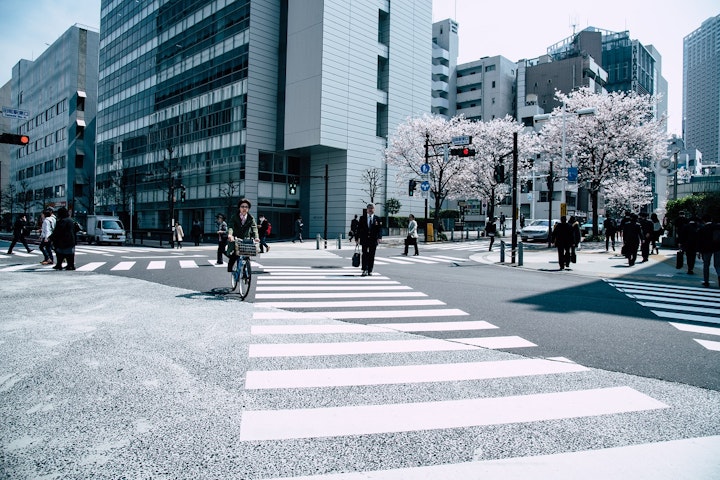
point(515, 30)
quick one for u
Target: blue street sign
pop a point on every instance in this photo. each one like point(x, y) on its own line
point(572, 174)
point(425, 186)
point(425, 168)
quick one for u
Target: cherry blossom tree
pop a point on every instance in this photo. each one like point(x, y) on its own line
point(611, 144)
point(631, 193)
point(493, 143)
point(424, 139)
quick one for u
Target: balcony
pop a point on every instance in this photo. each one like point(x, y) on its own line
point(441, 71)
point(440, 87)
point(439, 102)
point(474, 96)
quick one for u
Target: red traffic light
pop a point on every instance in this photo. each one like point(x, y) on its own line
point(462, 152)
point(14, 139)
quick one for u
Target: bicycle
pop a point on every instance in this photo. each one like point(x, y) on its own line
point(241, 276)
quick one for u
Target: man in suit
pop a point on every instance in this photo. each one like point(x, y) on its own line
point(369, 234)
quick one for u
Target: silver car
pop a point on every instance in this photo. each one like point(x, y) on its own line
point(536, 230)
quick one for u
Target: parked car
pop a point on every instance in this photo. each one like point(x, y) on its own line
point(586, 228)
point(536, 230)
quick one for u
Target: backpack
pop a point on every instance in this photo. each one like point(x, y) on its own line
point(269, 229)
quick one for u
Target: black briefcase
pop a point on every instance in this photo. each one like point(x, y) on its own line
point(679, 260)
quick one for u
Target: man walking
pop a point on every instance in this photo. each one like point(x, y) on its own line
point(264, 231)
point(562, 237)
point(369, 235)
point(647, 235)
point(709, 247)
point(48, 226)
point(222, 233)
point(19, 228)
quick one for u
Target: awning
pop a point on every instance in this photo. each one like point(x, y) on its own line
point(81, 123)
point(81, 94)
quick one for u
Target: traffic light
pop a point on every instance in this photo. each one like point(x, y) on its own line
point(499, 174)
point(411, 187)
point(463, 152)
point(14, 139)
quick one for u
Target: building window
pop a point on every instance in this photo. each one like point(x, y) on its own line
point(60, 191)
point(493, 84)
point(79, 161)
point(490, 68)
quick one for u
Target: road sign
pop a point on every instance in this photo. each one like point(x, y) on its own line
point(425, 168)
point(424, 194)
point(462, 140)
point(9, 112)
point(425, 186)
point(572, 174)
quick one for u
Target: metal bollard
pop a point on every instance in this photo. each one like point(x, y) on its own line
point(339, 242)
point(317, 242)
point(502, 251)
point(520, 254)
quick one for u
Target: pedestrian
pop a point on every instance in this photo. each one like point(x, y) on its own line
point(369, 234)
point(353, 228)
point(657, 233)
point(678, 224)
point(19, 231)
point(688, 240)
point(63, 239)
point(48, 225)
point(242, 226)
point(491, 230)
point(709, 247)
point(502, 223)
point(632, 237)
point(610, 231)
point(298, 229)
point(264, 231)
point(522, 220)
point(562, 237)
point(577, 237)
point(178, 234)
point(196, 232)
point(222, 233)
point(412, 235)
point(648, 234)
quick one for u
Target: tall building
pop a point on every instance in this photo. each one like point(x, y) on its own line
point(58, 90)
point(444, 63)
point(209, 101)
point(6, 200)
point(701, 90)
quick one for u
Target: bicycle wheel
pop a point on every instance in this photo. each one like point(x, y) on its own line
point(236, 274)
point(245, 278)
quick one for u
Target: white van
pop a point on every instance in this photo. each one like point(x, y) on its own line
point(105, 229)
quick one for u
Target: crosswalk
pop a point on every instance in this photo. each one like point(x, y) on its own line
point(681, 304)
point(409, 366)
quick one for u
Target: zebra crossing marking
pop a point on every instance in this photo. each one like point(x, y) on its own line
point(696, 328)
point(355, 303)
point(355, 315)
point(709, 344)
point(310, 329)
point(156, 265)
point(89, 267)
point(123, 266)
point(404, 417)
point(426, 373)
point(188, 264)
point(402, 294)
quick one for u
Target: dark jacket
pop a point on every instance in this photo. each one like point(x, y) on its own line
point(19, 228)
point(249, 230)
point(632, 233)
point(369, 235)
point(562, 235)
point(63, 237)
point(688, 238)
point(708, 238)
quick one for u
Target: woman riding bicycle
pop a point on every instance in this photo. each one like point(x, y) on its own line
point(242, 225)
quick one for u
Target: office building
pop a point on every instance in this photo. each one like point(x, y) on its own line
point(58, 92)
point(444, 63)
point(202, 103)
point(701, 90)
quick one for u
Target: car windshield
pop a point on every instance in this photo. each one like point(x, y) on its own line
point(111, 225)
point(538, 223)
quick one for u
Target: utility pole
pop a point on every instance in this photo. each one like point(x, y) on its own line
point(514, 198)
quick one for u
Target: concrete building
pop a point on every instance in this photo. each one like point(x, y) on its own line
point(213, 101)
point(701, 89)
point(58, 90)
point(486, 88)
point(6, 200)
point(444, 64)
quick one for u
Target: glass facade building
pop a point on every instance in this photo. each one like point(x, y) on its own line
point(202, 102)
point(701, 90)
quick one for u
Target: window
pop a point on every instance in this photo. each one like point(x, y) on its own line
point(60, 162)
point(493, 84)
point(60, 191)
point(79, 160)
point(490, 68)
point(48, 166)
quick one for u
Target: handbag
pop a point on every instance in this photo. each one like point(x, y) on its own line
point(356, 257)
point(679, 260)
point(573, 257)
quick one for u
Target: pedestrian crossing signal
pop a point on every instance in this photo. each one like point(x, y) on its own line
point(411, 187)
point(13, 139)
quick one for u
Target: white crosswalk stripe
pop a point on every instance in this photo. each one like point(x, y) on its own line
point(412, 260)
point(678, 303)
point(301, 360)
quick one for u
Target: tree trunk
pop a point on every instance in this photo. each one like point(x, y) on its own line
point(594, 201)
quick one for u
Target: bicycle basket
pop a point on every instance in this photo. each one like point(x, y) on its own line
point(245, 247)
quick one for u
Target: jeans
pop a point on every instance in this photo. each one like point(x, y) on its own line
point(46, 249)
